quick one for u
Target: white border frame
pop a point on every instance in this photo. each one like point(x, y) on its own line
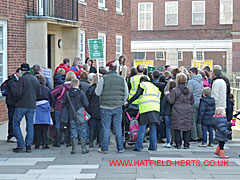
point(5, 50)
point(170, 2)
point(140, 52)
point(121, 50)
point(161, 59)
point(84, 46)
point(119, 10)
point(102, 5)
point(220, 13)
point(105, 47)
point(144, 29)
point(199, 24)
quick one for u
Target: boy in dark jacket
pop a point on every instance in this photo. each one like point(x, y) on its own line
point(229, 112)
point(222, 132)
point(205, 116)
point(59, 78)
point(79, 100)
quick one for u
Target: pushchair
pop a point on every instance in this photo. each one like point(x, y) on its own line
point(130, 125)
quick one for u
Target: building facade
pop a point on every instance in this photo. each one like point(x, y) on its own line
point(44, 32)
point(178, 32)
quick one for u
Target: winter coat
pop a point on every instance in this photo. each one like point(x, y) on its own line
point(92, 70)
point(219, 92)
point(182, 99)
point(230, 109)
point(78, 99)
point(48, 83)
point(195, 84)
point(59, 94)
point(63, 66)
point(206, 83)
point(206, 111)
point(45, 94)
point(58, 79)
point(94, 105)
point(221, 125)
point(42, 114)
point(11, 88)
point(76, 71)
point(28, 89)
point(165, 108)
point(84, 85)
point(226, 80)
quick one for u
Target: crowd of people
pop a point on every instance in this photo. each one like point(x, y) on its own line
point(81, 108)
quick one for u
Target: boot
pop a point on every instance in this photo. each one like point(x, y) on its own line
point(99, 137)
point(91, 134)
point(222, 155)
point(57, 138)
point(217, 150)
point(68, 137)
point(74, 145)
point(83, 145)
point(62, 136)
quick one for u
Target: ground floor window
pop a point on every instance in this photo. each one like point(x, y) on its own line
point(3, 51)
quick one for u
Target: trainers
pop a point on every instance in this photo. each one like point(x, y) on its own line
point(202, 145)
point(17, 150)
point(101, 151)
point(210, 145)
point(167, 145)
point(28, 149)
point(12, 140)
point(121, 151)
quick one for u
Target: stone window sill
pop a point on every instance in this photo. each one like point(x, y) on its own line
point(102, 8)
point(82, 2)
point(120, 13)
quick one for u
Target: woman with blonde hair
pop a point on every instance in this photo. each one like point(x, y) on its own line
point(76, 67)
point(182, 120)
point(59, 94)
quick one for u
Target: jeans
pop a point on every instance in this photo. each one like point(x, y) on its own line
point(168, 127)
point(11, 110)
point(114, 116)
point(206, 128)
point(77, 128)
point(178, 138)
point(18, 115)
point(196, 132)
point(57, 119)
point(152, 138)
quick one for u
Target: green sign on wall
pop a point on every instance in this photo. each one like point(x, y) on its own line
point(95, 48)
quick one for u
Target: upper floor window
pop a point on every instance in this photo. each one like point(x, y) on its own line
point(198, 13)
point(101, 3)
point(140, 55)
point(119, 6)
point(171, 13)
point(3, 51)
point(226, 12)
point(145, 16)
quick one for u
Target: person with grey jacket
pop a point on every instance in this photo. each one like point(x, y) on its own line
point(195, 85)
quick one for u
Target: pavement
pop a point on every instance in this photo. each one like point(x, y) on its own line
point(167, 163)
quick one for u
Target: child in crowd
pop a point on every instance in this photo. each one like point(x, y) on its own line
point(222, 132)
point(78, 100)
point(59, 78)
point(167, 109)
point(205, 116)
point(229, 112)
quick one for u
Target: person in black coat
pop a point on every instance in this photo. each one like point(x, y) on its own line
point(94, 110)
point(36, 70)
point(11, 84)
point(89, 62)
point(59, 78)
point(205, 116)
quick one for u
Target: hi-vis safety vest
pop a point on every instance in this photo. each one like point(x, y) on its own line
point(150, 100)
point(135, 80)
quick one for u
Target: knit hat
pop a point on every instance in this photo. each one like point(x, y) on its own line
point(25, 67)
point(217, 72)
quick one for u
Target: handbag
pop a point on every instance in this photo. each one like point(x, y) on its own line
point(64, 115)
point(81, 115)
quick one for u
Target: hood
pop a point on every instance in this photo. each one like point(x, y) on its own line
point(74, 92)
point(12, 77)
point(64, 66)
point(197, 77)
point(67, 85)
point(209, 100)
point(184, 89)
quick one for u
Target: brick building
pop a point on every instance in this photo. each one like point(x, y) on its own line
point(176, 32)
point(46, 31)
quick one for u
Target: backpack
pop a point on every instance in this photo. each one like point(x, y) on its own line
point(133, 127)
point(4, 88)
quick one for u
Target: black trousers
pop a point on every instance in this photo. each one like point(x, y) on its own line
point(11, 110)
point(186, 137)
point(221, 145)
point(40, 134)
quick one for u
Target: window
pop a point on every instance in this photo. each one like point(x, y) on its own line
point(82, 46)
point(180, 55)
point(171, 13)
point(200, 55)
point(160, 55)
point(102, 62)
point(140, 55)
point(198, 13)
point(40, 7)
point(119, 6)
point(118, 46)
point(226, 11)
point(3, 51)
point(101, 3)
point(145, 16)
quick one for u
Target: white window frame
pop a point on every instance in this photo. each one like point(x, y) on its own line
point(203, 23)
point(222, 13)
point(104, 47)
point(82, 32)
point(163, 58)
point(102, 5)
point(202, 55)
point(166, 5)
point(145, 20)
point(40, 7)
point(4, 64)
point(140, 52)
point(120, 53)
point(119, 10)
point(180, 52)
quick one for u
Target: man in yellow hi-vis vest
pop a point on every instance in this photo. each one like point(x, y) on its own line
point(134, 81)
point(148, 96)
